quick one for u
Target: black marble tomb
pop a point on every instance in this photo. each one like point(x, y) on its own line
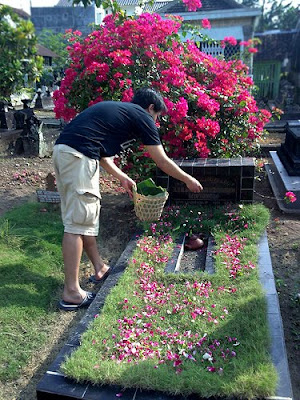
point(223, 180)
point(289, 152)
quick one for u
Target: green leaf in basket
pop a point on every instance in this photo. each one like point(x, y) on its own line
point(148, 188)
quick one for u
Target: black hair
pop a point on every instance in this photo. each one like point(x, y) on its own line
point(146, 96)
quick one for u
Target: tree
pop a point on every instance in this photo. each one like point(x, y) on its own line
point(56, 42)
point(276, 14)
point(192, 5)
point(279, 16)
point(250, 3)
point(17, 52)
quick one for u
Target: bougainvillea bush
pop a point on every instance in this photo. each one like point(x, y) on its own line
point(185, 333)
point(211, 111)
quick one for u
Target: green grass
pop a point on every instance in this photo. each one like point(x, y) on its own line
point(249, 374)
point(31, 273)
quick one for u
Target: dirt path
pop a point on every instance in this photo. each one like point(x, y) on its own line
point(20, 177)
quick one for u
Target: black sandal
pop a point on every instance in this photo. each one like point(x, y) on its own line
point(66, 306)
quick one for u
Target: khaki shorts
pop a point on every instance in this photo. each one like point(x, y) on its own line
point(77, 179)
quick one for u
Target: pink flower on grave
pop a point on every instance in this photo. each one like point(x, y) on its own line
point(290, 197)
point(211, 369)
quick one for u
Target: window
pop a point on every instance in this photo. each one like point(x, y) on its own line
point(216, 50)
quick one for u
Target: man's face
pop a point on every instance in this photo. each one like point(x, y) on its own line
point(154, 114)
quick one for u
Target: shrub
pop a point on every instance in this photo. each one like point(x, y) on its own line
point(211, 111)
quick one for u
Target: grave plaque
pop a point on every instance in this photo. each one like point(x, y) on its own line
point(289, 152)
point(215, 189)
point(223, 180)
point(38, 102)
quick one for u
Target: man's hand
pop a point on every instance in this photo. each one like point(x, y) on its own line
point(108, 164)
point(193, 185)
point(128, 185)
point(168, 166)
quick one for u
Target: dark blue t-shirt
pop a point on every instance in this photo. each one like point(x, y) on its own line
point(100, 130)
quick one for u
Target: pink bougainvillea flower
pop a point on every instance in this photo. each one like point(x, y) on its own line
point(192, 5)
point(252, 50)
point(290, 197)
point(244, 43)
point(205, 23)
point(230, 40)
point(201, 92)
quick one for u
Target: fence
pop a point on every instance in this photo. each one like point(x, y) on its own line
point(266, 76)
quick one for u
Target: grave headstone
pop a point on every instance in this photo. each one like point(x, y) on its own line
point(10, 120)
point(289, 152)
point(25, 103)
point(38, 102)
point(223, 180)
point(3, 111)
point(50, 182)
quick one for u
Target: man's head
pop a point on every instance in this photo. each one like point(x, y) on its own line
point(150, 100)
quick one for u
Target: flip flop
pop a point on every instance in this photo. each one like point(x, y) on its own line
point(66, 306)
point(93, 279)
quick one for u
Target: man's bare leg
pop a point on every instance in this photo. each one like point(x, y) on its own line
point(72, 246)
point(91, 249)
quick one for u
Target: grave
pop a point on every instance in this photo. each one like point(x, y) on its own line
point(289, 152)
point(9, 131)
point(223, 180)
point(55, 386)
point(284, 171)
point(38, 101)
point(21, 132)
point(50, 195)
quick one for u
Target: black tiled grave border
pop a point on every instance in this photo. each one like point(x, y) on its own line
point(281, 182)
point(55, 386)
point(234, 178)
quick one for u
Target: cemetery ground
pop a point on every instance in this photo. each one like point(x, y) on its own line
point(20, 177)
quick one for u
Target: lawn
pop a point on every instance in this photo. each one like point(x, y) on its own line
point(191, 333)
point(31, 274)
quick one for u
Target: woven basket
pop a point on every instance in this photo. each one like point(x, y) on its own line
point(149, 208)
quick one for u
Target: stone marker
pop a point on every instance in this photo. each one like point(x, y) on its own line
point(289, 152)
point(284, 172)
point(223, 180)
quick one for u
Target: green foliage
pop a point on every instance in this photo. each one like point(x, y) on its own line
point(148, 188)
point(57, 43)
point(17, 52)
point(47, 77)
point(277, 15)
point(285, 19)
point(250, 3)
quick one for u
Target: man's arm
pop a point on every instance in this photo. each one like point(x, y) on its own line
point(168, 166)
point(108, 164)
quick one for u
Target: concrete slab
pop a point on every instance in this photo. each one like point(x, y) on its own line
point(277, 349)
point(281, 182)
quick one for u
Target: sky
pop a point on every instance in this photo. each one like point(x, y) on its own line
point(25, 4)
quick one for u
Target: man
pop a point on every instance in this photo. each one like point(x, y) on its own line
point(92, 138)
